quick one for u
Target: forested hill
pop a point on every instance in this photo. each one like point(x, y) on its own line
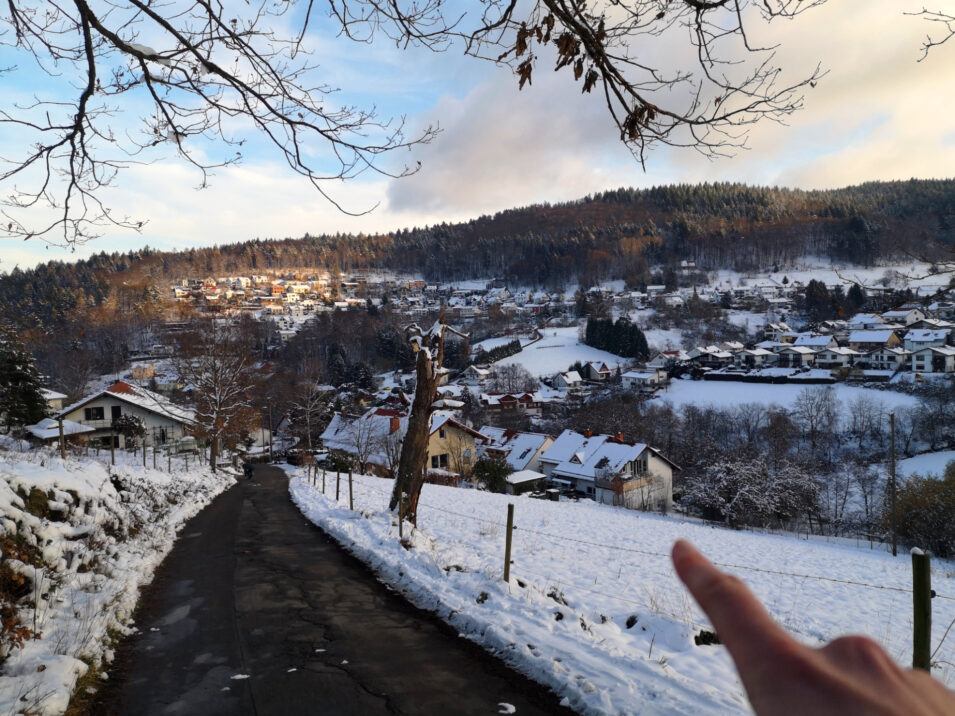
point(616, 234)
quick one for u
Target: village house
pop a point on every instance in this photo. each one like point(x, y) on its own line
point(644, 381)
point(904, 316)
point(814, 341)
point(521, 450)
point(790, 356)
point(934, 359)
point(570, 380)
point(597, 371)
point(776, 331)
point(925, 338)
point(865, 322)
point(870, 340)
point(710, 357)
point(165, 422)
point(529, 403)
point(54, 400)
point(886, 359)
point(374, 441)
point(836, 357)
point(751, 358)
point(610, 470)
point(474, 375)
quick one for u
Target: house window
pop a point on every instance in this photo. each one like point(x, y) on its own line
point(442, 433)
point(467, 456)
point(93, 413)
point(439, 461)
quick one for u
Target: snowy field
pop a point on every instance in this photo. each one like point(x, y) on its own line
point(101, 541)
point(930, 463)
point(727, 394)
point(593, 609)
point(822, 269)
point(664, 339)
point(557, 351)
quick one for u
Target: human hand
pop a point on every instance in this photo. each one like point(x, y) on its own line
point(849, 676)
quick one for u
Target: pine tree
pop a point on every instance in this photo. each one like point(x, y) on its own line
point(21, 393)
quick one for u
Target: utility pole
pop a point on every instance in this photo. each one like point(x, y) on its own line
point(892, 485)
point(271, 454)
point(62, 439)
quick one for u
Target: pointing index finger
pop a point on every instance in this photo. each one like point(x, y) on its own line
point(740, 620)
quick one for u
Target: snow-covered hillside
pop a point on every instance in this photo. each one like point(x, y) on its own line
point(78, 540)
point(558, 349)
point(593, 608)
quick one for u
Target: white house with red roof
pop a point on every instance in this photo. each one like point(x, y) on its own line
point(165, 422)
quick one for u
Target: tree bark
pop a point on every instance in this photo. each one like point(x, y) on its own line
point(414, 449)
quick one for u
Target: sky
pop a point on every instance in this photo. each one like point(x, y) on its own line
point(878, 114)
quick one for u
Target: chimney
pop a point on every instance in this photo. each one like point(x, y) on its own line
point(395, 423)
point(588, 434)
point(619, 438)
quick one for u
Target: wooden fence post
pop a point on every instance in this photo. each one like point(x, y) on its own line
point(112, 449)
point(351, 499)
point(507, 542)
point(338, 484)
point(144, 452)
point(62, 439)
point(323, 480)
point(169, 460)
point(155, 451)
point(922, 609)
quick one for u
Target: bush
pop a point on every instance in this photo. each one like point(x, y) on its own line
point(492, 472)
point(925, 506)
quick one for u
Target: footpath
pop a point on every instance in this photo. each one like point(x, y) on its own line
point(257, 611)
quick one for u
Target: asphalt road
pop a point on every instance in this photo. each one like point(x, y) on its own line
point(257, 611)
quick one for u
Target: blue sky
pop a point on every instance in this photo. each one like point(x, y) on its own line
point(878, 114)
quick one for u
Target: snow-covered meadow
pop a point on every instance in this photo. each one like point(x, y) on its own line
point(593, 608)
point(728, 394)
point(558, 349)
point(81, 538)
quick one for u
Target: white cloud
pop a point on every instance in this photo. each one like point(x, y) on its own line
point(879, 114)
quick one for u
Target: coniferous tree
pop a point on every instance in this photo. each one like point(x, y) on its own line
point(21, 392)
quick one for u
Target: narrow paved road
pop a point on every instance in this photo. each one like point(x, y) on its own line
point(257, 611)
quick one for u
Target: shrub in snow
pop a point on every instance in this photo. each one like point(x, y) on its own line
point(752, 492)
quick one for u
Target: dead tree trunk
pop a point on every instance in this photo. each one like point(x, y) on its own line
point(412, 464)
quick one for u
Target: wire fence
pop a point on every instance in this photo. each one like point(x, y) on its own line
point(606, 548)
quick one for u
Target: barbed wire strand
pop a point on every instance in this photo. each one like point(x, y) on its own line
point(634, 550)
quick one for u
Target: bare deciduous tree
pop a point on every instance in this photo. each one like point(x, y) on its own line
point(210, 74)
point(214, 359)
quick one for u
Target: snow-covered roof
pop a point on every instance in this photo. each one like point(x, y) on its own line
point(520, 447)
point(808, 339)
point(925, 335)
point(568, 443)
point(140, 397)
point(571, 376)
point(937, 350)
point(864, 319)
point(48, 428)
point(608, 458)
point(640, 375)
point(522, 476)
point(51, 394)
point(870, 336)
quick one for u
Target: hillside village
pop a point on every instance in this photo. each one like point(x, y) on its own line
point(912, 342)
